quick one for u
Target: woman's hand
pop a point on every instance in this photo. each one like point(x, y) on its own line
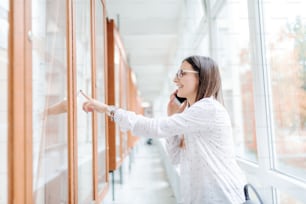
point(182, 144)
point(174, 107)
point(93, 105)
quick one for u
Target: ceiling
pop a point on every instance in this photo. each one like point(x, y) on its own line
point(149, 30)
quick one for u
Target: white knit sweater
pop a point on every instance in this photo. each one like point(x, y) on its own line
point(209, 172)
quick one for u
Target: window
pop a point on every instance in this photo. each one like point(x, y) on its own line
point(232, 48)
point(284, 198)
point(194, 13)
point(49, 79)
point(285, 31)
point(84, 83)
point(100, 81)
point(203, 46)
point(212, 3)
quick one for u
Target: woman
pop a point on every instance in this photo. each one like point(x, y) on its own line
point(198, 132)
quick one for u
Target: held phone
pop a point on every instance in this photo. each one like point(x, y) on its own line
point(180, 99)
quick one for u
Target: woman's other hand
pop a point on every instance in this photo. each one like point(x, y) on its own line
point(182, 143)
point(55, 109)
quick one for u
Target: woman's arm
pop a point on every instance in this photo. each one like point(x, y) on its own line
point(174, 148)
point(200, 115)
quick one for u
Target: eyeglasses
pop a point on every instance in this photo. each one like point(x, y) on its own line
point(181, 72)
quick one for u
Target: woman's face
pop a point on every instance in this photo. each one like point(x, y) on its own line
point(187, 82)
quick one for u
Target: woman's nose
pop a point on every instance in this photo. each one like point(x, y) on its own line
point(175, 79)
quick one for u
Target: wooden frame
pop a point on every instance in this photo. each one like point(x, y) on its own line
point(111, 95)
point(72, 106)
point(19, 104)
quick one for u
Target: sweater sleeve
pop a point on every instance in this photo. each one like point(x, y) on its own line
point(198, 116)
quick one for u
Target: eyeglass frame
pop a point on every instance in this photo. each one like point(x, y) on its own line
point(180, 73)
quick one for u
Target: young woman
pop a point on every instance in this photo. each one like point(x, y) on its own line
point(198, 132)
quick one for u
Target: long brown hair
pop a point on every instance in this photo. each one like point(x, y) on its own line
point(209, 77)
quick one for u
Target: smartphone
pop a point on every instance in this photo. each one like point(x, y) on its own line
point(180, 99)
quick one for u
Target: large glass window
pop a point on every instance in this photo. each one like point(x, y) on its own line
point(233, 51)
point(84, 83)
point(100, 77)
point(49, 62)
point(285, 198)
point(194, 14)
point(213, 3)
point(285, 37)
point(4, 32)
point(203, 46)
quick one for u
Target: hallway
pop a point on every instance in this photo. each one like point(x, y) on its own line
point(146, 182)
point(134, 55)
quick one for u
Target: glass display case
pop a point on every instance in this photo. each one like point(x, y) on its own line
point(84, 83)
point(49, 105)
point(101, 89)
point(117, 80)
point(50, 101)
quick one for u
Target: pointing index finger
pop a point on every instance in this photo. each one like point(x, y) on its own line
point(87, 97)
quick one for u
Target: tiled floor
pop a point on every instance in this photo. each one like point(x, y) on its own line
point(146, 183)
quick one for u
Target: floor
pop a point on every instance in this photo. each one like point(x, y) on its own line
point(145, 182)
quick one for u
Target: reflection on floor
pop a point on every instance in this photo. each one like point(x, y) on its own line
point(146, 182)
